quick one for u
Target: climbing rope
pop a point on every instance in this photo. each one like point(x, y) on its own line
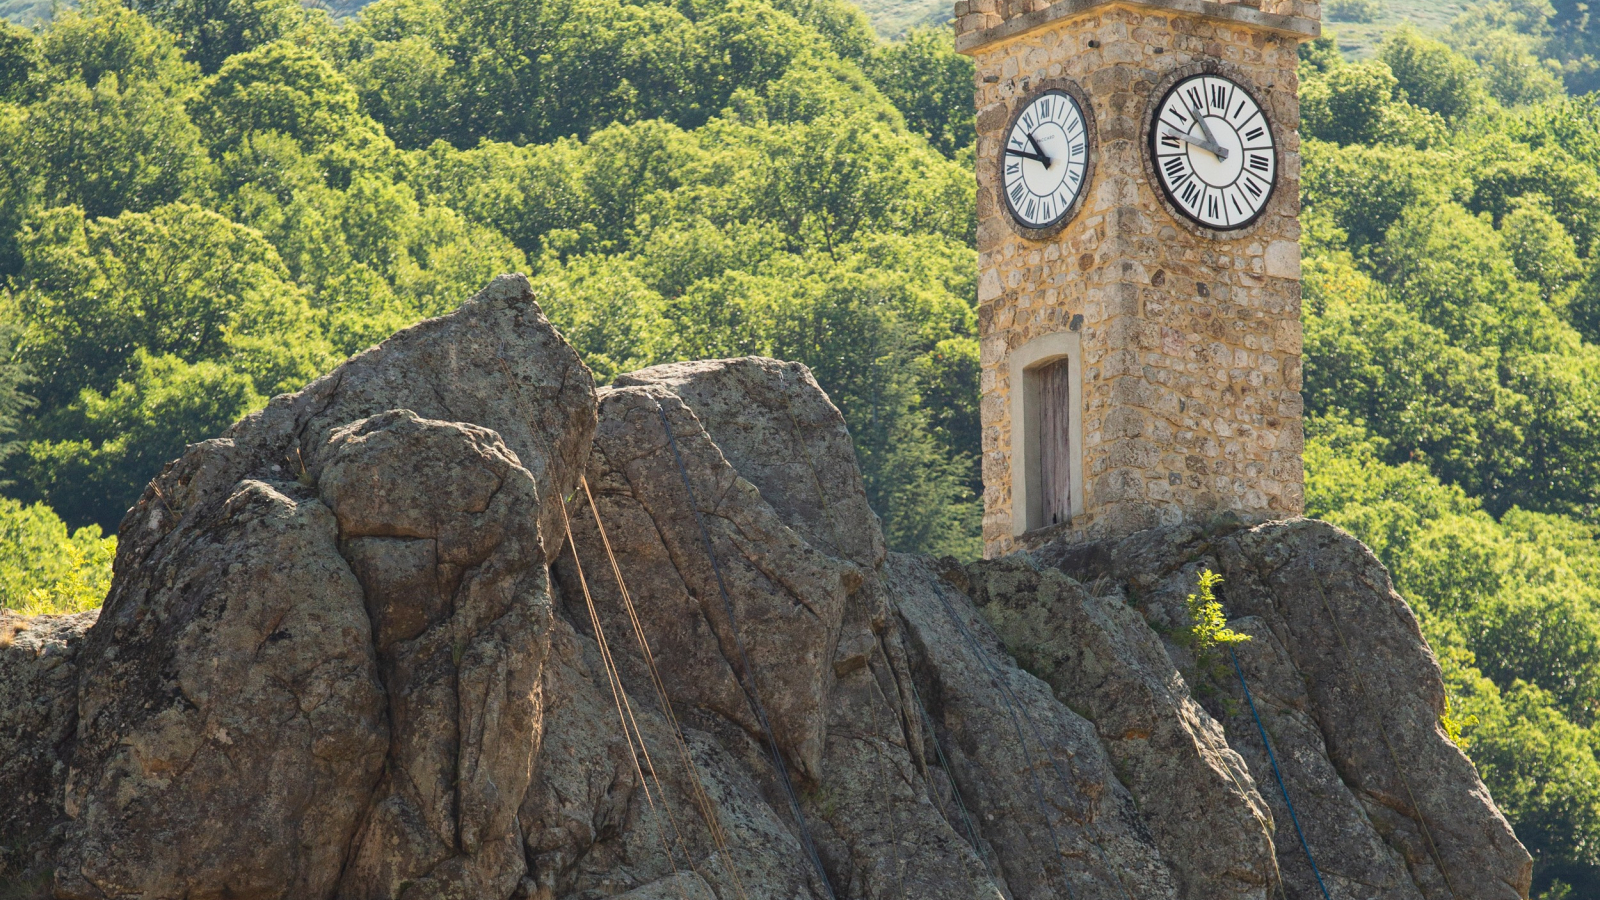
point(1383, 731)
point(1018, 715)
point(955, 790)
point(933, 734)
point(619, 696)
point(879, 741)
point(751, 692)
point(702, 798)
point(1278, 773)
point(1022, 741)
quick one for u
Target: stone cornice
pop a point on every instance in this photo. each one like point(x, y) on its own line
point(1297, 27)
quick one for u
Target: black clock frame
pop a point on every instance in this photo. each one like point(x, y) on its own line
point(1159, 96)
point(1091, 148)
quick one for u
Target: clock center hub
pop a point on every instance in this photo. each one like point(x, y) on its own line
point(1044, 180)
point(1219, 173)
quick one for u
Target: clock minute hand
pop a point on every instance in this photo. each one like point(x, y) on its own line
point(1210, 146)
point(1043, 156)
point(1026, 155)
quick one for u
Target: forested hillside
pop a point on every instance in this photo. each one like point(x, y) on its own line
point(1452, 310)
point(205, 204)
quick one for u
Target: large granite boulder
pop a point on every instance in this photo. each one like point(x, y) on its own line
point(1346, 687)
point(38, 716)
point(317, 672)
point(376, 642)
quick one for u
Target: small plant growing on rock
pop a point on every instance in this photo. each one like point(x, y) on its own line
point(1208, 627)
point(1453, 724)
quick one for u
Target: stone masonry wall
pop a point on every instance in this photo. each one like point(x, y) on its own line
point(1190, 339)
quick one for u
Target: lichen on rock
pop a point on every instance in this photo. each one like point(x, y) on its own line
point(350, 652)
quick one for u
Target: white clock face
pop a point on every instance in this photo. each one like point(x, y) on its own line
point(1214, 152)
point(1045, 160)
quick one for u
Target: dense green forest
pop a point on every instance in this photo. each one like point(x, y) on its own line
point(204, 204)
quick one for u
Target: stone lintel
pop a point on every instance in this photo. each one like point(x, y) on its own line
point(1297, 27)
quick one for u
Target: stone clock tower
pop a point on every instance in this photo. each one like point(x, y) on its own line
point(1138, 236)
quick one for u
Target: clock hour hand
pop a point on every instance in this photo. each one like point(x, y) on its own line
point(1043, 156)
point(1201, 120)
point(1210, 146)
point(1027, 155)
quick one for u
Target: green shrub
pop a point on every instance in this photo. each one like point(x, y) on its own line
point(1208, 627)
point(1354, 10)
point(43, 568)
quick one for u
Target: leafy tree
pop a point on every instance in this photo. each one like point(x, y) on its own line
point(540, 71)
point(43, 568)
point(617, 322)
point(1431, 75)
point(1451, 267)
point(1319, 56)
point(1570, 123)
point(842, 25)
point(1584, 308)
point(404, 83)
point(114, 443)
point(19, 187)
point(948, 377)
point(106, 150)
point(1569, 187)
point(107, 39)
point(14, 399)
point(178, 280)
point(1361, 103)
point(1208, 625)
point(930, 83)
point(1545, 778)
point(1364, 189)
point(1573, 40)
point(106, 128)
point(1541, 249)
point(211, 31)
point(19, 60)
point(285, 88)
point(1513, 70)
point(1371, 360)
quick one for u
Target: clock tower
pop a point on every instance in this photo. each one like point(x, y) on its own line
point(1139, 262)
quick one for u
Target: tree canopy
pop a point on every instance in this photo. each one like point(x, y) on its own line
point(210, 201)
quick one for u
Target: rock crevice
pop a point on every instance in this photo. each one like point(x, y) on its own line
point(350, 652)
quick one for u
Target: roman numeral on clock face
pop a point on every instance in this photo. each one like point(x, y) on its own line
point(1214, 153)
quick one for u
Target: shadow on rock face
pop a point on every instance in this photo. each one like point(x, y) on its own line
point(1347, 688)
point(317, 671)
point(350, 652)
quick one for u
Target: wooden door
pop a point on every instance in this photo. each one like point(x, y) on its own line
point(1055, 445)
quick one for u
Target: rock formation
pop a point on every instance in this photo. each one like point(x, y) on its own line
point(376, 642)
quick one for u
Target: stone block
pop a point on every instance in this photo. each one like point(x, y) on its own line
point(1283, 260)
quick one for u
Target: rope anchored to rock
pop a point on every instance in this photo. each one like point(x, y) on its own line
point(702, 799)
point(1018, 715)
point(750, 690)
point(1383, 731)
point(1278, 773)
point(916, 697)
point(630, 725)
